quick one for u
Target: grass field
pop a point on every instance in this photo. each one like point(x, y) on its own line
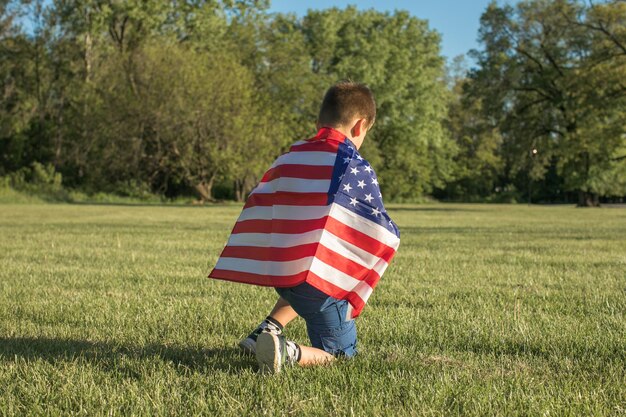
point(486, 310)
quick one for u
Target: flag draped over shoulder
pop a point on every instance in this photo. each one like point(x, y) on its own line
point(317, 216)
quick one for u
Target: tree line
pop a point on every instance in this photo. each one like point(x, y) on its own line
point(197, 97)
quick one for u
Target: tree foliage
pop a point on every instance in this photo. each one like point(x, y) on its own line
point(551, 78)
point(199, 96)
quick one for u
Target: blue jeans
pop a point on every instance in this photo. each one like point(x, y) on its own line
point(325, 319)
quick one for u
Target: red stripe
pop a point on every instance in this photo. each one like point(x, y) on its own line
point(307, 172)
point(293, 253)
point(334, 226)
point(286, 198)
point(259, 279)
point(347, 266)
point(279, 226)
point(332, 290)
point(270, 254)
point(359, 239)
point(316, 146)
point(291, 281)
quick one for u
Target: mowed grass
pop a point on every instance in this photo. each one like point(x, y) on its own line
point(486, 310)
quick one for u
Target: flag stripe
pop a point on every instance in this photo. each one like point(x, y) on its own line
point(276, 240)
point(279, 226)
point(306, 172)
point(339, 279)
point(306, 158)
point(353, 252)
point(287, 199)
point(260, 279)
point(284, 212)
point(364, 225)
point(294, 185)
point(337, 292)
point(359, 239)
point(271, 254)
point(348, 234)
point(259, 246)
point(316, 146)
point(334, 259)
point(277, 269)
point(344, 265)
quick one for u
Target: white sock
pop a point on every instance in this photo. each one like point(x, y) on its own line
point(293, 352)
point(270, 326)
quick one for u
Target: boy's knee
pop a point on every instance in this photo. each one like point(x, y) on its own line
point(339, 342)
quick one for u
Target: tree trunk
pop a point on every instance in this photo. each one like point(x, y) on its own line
point(239, 192)
point(204, 189)
point(586, 199)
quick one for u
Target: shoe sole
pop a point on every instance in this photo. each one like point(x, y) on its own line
point(268, 353)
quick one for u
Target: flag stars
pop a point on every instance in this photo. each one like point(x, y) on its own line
point(368, 197)
point(375, 212)
point(374, 181)
point(359, 157)
point(341, 177)
point(347, 187)
point(354, 170)
point(353, 201)
point(346, 160)
point(368, 169)
point(361, 184)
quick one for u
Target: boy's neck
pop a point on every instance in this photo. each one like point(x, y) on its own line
point(343, 131)
point(347, 133)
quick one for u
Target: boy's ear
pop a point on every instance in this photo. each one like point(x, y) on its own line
point(358, 128)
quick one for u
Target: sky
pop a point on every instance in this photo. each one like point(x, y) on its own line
point(457, 21)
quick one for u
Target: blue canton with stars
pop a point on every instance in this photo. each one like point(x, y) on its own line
point(355, 186)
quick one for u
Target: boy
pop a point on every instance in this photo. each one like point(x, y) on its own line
point(315, 228)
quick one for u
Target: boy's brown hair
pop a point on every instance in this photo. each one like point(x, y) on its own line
point(345, 101)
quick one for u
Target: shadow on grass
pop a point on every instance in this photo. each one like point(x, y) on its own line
point(113, 357)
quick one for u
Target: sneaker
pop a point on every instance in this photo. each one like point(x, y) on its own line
point(271, 352)
point(248, 344)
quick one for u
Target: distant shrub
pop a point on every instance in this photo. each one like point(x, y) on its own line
point(39, 180)
point(508, 194)
point(134, 189)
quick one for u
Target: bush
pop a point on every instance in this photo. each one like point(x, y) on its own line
point(37, 177)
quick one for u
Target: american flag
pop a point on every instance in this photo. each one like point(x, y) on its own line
point(317, 216)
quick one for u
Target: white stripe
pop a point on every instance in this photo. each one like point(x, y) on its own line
point(300, 142)
point(340, 279)
point(380, 267)
point(353, 252)
point(295, 185)
point(284, 213)
point(363, 290)
point(306, 158)
point(364, 225)
point(274, 240)
point(265, 267)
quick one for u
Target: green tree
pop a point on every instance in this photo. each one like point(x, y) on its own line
point(17, 103)
point(398, 56)
point(479, 164)
point(554, 83)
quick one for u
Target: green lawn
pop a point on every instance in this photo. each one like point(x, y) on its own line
point(486, 310)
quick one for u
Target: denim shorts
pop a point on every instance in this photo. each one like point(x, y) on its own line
point(325, 319)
